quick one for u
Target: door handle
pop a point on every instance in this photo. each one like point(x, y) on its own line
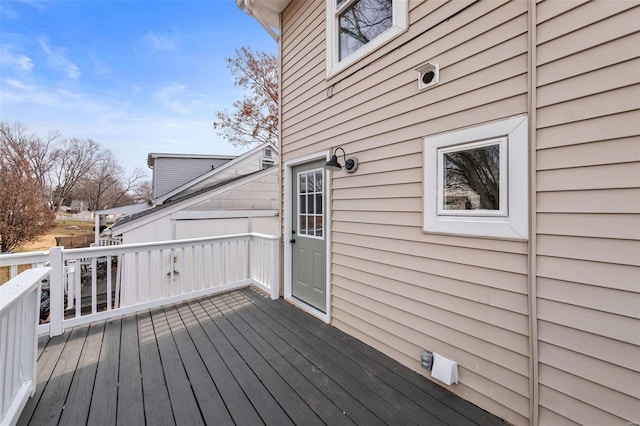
point(292, 241)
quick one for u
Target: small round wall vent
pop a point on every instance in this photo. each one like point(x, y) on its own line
point(428, 75)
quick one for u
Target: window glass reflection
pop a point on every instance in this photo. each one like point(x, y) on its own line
point(362, 22)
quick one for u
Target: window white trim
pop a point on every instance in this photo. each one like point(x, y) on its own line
point(512, 220)
point(334, 64)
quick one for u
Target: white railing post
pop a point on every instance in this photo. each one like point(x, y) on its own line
point(56, 291)
point(275, 264)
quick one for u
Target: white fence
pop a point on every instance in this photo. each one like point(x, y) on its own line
point(19, 303)
point(95, 283)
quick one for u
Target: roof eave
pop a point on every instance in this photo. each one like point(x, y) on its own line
point(266, 12)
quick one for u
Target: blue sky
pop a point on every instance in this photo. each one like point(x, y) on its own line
point(135, 76)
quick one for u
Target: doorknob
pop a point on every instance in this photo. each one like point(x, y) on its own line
point(293, 238)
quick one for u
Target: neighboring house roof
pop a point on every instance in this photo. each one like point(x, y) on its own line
point(152, 156)
point(218, 170)
point(137, 219)
point(126, 209)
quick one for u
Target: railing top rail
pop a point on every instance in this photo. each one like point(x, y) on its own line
point(23, 258)
point(11, 291)
point(158, 245)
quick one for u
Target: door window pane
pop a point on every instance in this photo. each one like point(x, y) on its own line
point(310, 203)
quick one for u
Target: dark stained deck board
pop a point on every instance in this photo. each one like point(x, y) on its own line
point(76, 407)
point(104, 400)
point(357, 381)
point(267, 407)
point(46, 363)
point(386, 383)
point(324, 408)
point(185, 408)
point(294, 406)
point(235, 358)
point(130, 401)
point(205, 391)
point(236, 402)
point(431, 396)
point(156, 402)
point(49, 410)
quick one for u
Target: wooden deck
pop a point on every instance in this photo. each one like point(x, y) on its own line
point(237, 358)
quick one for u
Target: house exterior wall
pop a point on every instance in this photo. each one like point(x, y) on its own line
point(171, 172)
point(588, 229)
point(401, 290)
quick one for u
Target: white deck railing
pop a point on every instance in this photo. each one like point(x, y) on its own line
point(96, 283)
point(19, 303)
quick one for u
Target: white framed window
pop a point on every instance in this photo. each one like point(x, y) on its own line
point(475, 181)
point(357, 27)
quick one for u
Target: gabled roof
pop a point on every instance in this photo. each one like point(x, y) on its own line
point(140, 218)
point(215, 171)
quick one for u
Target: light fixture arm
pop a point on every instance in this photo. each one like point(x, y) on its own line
point(350, 164)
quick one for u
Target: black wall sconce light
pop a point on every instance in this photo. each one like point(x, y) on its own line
point(350, 164)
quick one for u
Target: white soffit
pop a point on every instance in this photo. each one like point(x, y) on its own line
point(267, 12)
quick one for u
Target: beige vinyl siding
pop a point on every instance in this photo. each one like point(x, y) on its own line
point(393, 286)
point(588, 205)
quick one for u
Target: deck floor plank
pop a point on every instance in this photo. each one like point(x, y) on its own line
point(296, 408)
point(47, 362)
point(236, 358)
point(355, 381)
point(349, 405)
point(156, 401)
point(130, 398)
point(430, 395)
point(336, 340)
point(262, 339)
point(76, 408)
point(209, 400)
point(104, 400)
point(235, 399)
point(48, 411)
point(267, 407)
point(185, 407)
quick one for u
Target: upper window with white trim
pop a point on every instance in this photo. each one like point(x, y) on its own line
point(475, 180)
point(357, 27)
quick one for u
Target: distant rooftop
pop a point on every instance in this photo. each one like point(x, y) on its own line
point(151, 157)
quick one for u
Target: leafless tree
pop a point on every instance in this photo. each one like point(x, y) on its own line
point(24, 214)
point(105, 184)
point(143, 191)
point(73, 162)
point(255, 118)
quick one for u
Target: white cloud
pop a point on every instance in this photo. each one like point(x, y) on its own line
point(168, 97)
point(162, 41)
point(58, 59)
point(18, 61)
